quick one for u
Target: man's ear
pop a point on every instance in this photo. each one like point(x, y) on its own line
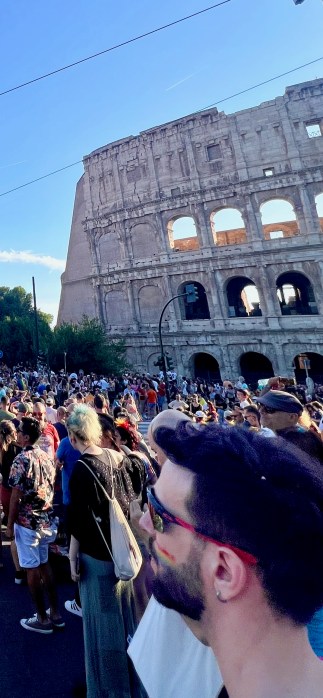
point(226, 574)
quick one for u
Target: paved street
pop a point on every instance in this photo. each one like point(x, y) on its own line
point(34, 664)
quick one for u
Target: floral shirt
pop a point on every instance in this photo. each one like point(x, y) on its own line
point(33, 473)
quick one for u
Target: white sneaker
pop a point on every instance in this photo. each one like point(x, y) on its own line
point(73, 607)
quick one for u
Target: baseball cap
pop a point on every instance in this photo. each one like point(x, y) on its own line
point(281, 401)
point(199, 413)
point(49, 401)
point(23, 408)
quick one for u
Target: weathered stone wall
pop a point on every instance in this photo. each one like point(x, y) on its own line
point(123, 263)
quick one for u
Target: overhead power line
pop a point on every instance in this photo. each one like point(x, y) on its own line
point(219, 101)
point(259, 84)
point(113, 48)
point(49, 174)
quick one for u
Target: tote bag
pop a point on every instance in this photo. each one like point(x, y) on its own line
point(125, 551)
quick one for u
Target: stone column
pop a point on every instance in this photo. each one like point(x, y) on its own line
point(204, 225)
point(292, 149)
point(270, 291)
point(116, 178)
point(280, 362)
point(237, 149)
point(253, 219)
point(165, 247)
point(92, 240)
point(220, 284)
point(214, 292)
point(98, 301)
point(309, 211)
point(132, 303)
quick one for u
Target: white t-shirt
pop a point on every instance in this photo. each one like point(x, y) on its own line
point(168, 658)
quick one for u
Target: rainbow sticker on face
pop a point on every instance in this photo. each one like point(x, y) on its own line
point(165, 555)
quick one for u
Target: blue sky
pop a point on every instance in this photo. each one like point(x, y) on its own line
point(56, 121)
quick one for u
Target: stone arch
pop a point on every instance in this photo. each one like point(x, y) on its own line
point(199, 310)
point(144, 241)
point(315, 370)
point(295, 294)
point(204, 365)
point(182, 233)
point(228, 226)
point(117, 308)
point(110, 250)
point(319, 208)
point(278, 219)
point(253, 366)
point(150, 302)
point(242, 297)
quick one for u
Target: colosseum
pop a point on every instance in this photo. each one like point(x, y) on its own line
point(232, 203)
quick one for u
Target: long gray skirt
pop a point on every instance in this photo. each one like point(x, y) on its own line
point(108, 620)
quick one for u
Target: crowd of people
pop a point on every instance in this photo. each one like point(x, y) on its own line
point(228, 502)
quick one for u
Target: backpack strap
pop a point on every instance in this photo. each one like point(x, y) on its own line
point(98, 481)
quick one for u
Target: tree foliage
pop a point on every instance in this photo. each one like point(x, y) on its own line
point(17, 326)
point(88, 347)
point(86, 344)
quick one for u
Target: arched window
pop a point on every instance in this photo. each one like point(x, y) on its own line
point(182, 234)
point(228, 227)
point(312, 367)
point(278, 219)
point(254, 366)
point(319, 208)
point(243, 298)
point(205, 366)
point(198, 309)
point(295, 294)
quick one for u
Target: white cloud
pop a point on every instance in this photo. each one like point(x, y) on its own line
point(26, 257)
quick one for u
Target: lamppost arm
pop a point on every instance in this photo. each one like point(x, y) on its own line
point(180, 295)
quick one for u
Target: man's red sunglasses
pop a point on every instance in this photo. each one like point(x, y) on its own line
point(159, 516)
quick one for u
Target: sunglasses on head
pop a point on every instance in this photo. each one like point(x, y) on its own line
point(161, 517)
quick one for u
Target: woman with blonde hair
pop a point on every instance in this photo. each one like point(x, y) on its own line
point(107, 603)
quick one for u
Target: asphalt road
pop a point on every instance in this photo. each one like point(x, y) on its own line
point(32, 664)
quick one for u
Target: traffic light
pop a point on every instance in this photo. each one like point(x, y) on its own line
point(192, 293)
point(160, 363)
point(169, 362)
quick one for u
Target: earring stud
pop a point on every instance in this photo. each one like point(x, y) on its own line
point(219, 597)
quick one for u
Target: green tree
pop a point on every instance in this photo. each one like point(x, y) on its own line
point(88, 347)
point(17, 326)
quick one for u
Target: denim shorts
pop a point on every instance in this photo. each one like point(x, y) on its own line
point(32, 546)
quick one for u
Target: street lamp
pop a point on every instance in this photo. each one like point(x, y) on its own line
point(65, 362)
point(191, 295)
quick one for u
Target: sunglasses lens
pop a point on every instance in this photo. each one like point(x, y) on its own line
point(157, 520)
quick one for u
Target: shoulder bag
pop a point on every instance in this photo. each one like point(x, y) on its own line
point(125, 551)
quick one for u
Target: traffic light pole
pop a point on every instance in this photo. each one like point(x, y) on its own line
point(162, 352)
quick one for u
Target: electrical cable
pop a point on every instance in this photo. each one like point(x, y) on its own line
point(49, 174)
point(264, 82)
point(113, 48)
